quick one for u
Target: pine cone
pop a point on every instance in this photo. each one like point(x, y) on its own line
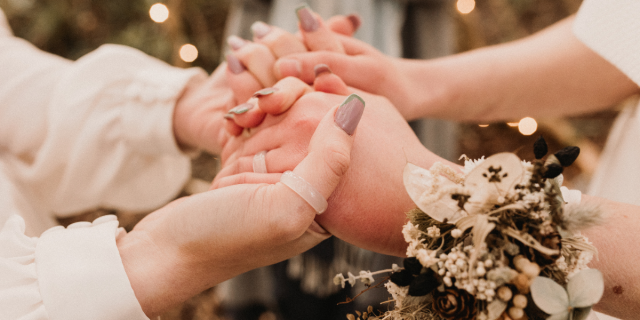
point(454, 304)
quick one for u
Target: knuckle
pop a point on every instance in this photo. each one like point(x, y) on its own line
point(337, 157)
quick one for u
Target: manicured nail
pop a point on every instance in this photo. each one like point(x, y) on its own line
point(320, 69)
point(241, 108)
point(235, 42)
point(308, 22)
point(355, 20)
point(260, 29)
point(349, 113)
point(234, 64)
point(264, 92)
point(289, 67)
point(229, 116)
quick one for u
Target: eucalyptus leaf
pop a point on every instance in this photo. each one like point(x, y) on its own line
point(502, 170)
point(420, 184)
point(550, 297)
point(585, 288)
point(495, 309)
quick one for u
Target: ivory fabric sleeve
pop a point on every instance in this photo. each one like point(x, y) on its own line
point(74, 136)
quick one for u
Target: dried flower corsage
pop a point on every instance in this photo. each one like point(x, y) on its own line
point(501, 241)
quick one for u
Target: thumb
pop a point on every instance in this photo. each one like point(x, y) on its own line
point(329, 154)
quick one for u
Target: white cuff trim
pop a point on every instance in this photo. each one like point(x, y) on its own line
point(81, 274)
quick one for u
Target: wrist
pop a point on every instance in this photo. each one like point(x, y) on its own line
point(425, 91)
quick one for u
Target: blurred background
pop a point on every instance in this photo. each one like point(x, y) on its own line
point(188, 33)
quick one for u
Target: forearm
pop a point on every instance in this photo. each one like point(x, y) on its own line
point(618, 257)
point(547, 74)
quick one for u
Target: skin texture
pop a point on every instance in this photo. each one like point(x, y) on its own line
point(199, 241)
point(548, 74)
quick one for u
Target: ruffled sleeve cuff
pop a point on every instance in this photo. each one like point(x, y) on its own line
point(72, 273)
point(610, 28)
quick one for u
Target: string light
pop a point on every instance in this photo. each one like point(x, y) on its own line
point(159, 13)
point(466, 6)
point(527, 126)
point(483, 125)
point(188, 53)
point(513, 124)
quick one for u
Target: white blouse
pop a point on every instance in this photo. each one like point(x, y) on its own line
point(611, 29)
point(76, 136)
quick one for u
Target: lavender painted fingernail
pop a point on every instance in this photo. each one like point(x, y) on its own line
point(320, 69)
point(308, 22)
point(260, 29)
point(241, 108)
point(235, 42)
point(349, 113)
point(234, 65)
point(355, 20)
point(229, 116)
point(264, 92)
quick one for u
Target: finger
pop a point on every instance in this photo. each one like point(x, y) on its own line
point(330, 147)
point(317, 36)
point(282, 96)
point(247, 115)
point(257, 58)
point(246, 178)
point(328, 82)
point(240, 80)
point(231, 127)
point(349, 68)
point(277, 161)
point(345, 25)
point(279, 41)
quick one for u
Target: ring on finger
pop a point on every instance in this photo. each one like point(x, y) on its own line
point(305, 190)
point(260, 162)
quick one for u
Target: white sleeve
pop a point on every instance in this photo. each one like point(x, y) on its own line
point(92, 133)
point(66, 274)
point(611, 28)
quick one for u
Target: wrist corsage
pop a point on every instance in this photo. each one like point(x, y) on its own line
point(501, 241)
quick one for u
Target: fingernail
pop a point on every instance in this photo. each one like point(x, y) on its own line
point(234, 64)
point(355, 20)
point(289, 67)
point(349, 113)
point(260, 29)
point(229, 116)
point(235, 42)
point(307, 21)
point(320, 69)
point(241, 108)
point(264, 92)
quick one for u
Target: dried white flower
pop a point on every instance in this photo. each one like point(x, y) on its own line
point(470, 164)
point(456, 233)
point(339, 280)
point(433, 232)
point(352, 279)
point(366, 277)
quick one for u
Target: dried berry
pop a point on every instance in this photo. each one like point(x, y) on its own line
point(540, 148)
point(402, 278)
point(412, 265)
point(423, 284)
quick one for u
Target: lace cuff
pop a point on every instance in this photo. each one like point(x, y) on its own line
point(72, 273)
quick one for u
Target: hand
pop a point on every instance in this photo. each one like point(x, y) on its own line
point(368, 207)
point(198, 115)
point(197, 242)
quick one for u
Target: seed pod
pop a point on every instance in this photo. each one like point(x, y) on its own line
point(520, 301)
point(516, 313)
point(567, 155)
point(412, 265)
point(540, 148)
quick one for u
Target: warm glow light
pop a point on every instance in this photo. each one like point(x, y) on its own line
point(466, 6)
point(513, 124)
point(527, 126)
point(483, 125)
point(188, 53)
point(159, 13)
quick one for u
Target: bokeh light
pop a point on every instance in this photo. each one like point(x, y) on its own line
point(466, 6)
point(188, 53)
point(527, 126)
point(483, 125)
point(159, 13)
